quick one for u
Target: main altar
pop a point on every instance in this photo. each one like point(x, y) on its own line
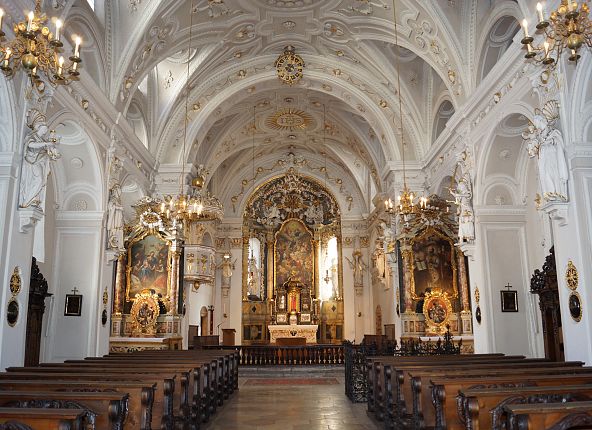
point(308, 332)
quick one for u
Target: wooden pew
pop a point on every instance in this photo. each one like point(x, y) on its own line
point(386, 378)
point(103, 410)
point(551, 416)
point(41, 419)
point(162, 398)
point(445, 390)
point(422, 402)
point(202, 379)
point(482, 409)
point(140, 403)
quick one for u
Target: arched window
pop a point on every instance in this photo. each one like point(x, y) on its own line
point(254, 278)
point(91, 3)
point(329, 267)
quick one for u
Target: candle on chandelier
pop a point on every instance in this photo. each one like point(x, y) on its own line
point(525, 27)
point(539, 7)
point(546, 45)
point(78, 40)
point(58, 27)
point(30, 22)
point(60, 66)
point(7, 56)
point(1, 16)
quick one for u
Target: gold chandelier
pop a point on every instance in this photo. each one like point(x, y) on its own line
point(200, 205)
point(37, 50)
point(568, 27)
point(407, 202)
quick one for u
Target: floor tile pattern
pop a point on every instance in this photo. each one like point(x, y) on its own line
point(290, 407)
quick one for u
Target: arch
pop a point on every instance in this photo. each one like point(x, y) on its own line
point(497, 41)
point(443, 115)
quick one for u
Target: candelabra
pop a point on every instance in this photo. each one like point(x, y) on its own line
point(37, 50)
point(568, 27)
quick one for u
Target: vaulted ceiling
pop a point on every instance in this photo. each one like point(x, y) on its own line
point(350, 82)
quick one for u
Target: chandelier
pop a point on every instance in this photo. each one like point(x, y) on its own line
point(37, 50)
point(568, 27)
point(407, 202)
point(200, 205)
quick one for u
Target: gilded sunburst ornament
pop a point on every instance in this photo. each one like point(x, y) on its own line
point(289, 119)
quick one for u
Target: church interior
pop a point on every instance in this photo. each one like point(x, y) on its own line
point(297, 184)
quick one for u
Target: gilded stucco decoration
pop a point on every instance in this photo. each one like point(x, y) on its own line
point(144, 314)
point(571, 276)
point(289, 119)
point(15, 281)
point(292, 196)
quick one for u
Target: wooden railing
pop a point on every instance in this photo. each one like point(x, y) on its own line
point(262, 355)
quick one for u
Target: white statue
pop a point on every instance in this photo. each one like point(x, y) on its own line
point(545, 142)
point(358, 266)
point(463, 197)
point(115, 219)
point(314, 213)
point(40, 150)
point(226, 267)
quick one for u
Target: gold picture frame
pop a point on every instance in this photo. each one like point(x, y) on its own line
point(437, 310)
point(132, 269)
point(428, 237)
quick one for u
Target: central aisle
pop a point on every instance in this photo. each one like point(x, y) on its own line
point(291, 404)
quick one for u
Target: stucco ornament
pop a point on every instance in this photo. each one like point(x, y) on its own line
point(40, 151)
point(545, 142)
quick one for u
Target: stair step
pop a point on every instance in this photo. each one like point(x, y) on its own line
point(291, 371)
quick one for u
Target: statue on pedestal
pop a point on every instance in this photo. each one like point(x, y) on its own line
point(463, 197)
point(115, 219)
point(545, 143)
point(358, 266)
point(40, 150)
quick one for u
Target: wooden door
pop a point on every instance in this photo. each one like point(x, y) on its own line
point(37, 294)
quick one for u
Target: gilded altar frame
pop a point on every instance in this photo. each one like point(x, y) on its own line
point(427, 233)
point(129, 264)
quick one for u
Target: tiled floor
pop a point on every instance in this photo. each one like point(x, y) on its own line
point(290, 407)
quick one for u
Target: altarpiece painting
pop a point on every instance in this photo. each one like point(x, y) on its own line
point(294, 254)
point(148, 267)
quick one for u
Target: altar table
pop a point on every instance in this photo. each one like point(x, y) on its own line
point(309, 332)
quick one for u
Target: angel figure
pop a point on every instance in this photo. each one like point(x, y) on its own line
point(358, 266)
point(40, 150)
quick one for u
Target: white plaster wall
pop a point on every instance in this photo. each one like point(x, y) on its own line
point(197, 299)
point(352, 304)
point(506, 257)
point(77, 264)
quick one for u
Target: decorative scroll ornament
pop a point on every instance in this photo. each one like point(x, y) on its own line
point(289, 66)
point(571, 276)
point(144, 314)
point(15, 281)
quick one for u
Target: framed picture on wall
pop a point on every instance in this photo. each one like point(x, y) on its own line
point(73, 306)
point(509, 300)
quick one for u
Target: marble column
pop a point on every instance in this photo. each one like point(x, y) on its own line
point(463, 283)
point(407, 280)
point(269, 238)
point(174, 280)
point(119, 295)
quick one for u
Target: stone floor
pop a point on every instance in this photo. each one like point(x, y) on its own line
point(281, 405)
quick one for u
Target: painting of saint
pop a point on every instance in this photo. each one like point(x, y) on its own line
point(147, 267)
point(434, 268)
point(294, 254)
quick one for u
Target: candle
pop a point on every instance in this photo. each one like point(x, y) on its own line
point(74, 66)
point(7, 56)
point(30, 23)
point(1, 16)
point(60, 65)
point(58, 26)
point(546, 45)
point(540, 12)
point(529, 46)
point(525, 27)
point(78, 40)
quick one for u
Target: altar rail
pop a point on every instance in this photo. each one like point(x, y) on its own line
point(305, 355)
point(356, 382)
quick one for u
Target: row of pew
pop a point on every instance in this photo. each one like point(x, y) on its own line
point(479, 392)
point(143, 390)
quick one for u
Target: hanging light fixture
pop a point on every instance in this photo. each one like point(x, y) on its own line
point(200, 205)
point(407, 202)
point(568, 27)
point(37, 50)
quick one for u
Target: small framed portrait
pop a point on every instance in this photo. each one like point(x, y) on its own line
point(73, 306)
point(509, 300)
